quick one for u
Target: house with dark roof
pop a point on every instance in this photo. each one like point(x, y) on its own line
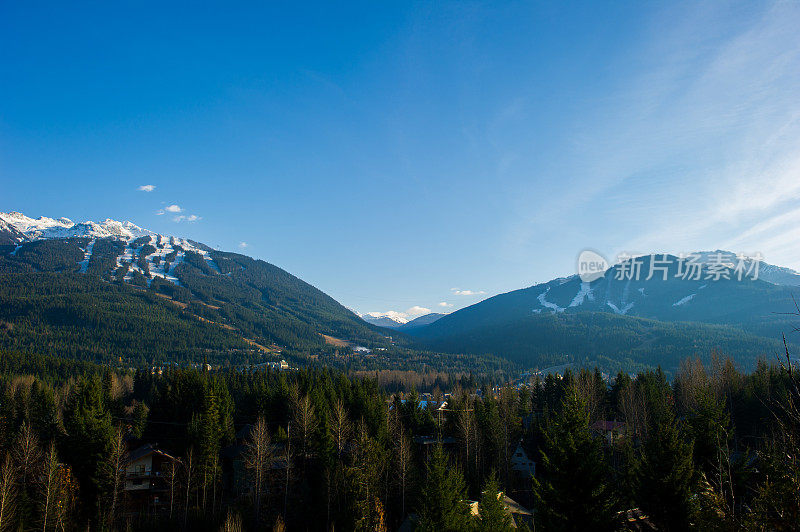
point(148, 470)
point(521, 464)
point(610, 431)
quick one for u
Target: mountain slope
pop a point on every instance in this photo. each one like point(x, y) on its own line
point(551, 320)
point(422, 321)
point(81, 317)
point(257, 300)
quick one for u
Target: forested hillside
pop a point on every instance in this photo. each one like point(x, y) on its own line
point(626, 321)
point(716, 449)
point(82, 317)
point(594, 338)
point(154, 299)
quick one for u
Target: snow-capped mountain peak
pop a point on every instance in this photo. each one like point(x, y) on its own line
point(144, 252)
point(391, 319)
point(21, 228)
point(392, 315)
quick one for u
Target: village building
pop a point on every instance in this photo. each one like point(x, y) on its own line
point(521, 464)
point(147, 479)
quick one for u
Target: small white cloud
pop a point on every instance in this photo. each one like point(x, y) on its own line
point(173, 208)
point(416, 310)
point(460, 292)
point(243, 245)
point(147, 188)
point(445, 304)
point(160, 212)
point(185, 218)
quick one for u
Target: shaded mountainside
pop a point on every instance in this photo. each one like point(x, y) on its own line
point(107, 285)
point(422, 321)
point(609, 341)
point(652, 322)
point(382, 321)
point(98, 291)
point(81, 317)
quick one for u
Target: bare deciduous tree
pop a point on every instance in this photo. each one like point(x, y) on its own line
point(304, 424)
point(50, 486)
point(592, 390)
point(27, 454)
point(257, 460)
point(233, 523)
point(341, 427)
point(188, 473)
point(466, 428)
point(171, 474)
point(690, 382)
point(634, 409)
point(8, 480)
point(404, 458)
point(115, 465)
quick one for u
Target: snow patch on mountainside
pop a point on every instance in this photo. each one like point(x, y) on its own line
point(133, 267)
point(87, 255)
point(207, 257)
point(545, 303)
point(584, 292)
point(684, 300)
point(30, 229)
point(624, 310)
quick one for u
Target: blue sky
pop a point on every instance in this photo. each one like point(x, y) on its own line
point(406, 156)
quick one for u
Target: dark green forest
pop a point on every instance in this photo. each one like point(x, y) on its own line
point(229, 309)
point(712, 449)
point(607, 340)
point(248, 297)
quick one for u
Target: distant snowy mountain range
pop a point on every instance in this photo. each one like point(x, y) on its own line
point(246, 304)
point(392, 321)
point(162, 256)
point(606, 294)
point(612, 318)
point(384, 320)
point(15, 228)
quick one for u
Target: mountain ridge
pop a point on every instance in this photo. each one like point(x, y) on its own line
point(264, 303)
point(506, 323)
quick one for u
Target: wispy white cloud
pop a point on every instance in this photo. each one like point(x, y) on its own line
point(417, 310)
point(695, 147)
point(243, 245)
point(444, 304)
point(186, 218)
point(462, 292)
point(147, 188)
point(174, 209)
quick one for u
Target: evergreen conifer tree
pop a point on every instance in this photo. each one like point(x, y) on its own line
point(573, 492)
point(442, 505)
point(493, 515)
point(664, 475)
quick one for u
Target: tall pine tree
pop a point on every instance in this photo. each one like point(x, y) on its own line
point(492, 511)
point(442, 503)
point(664, 475)
point(573, 492)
